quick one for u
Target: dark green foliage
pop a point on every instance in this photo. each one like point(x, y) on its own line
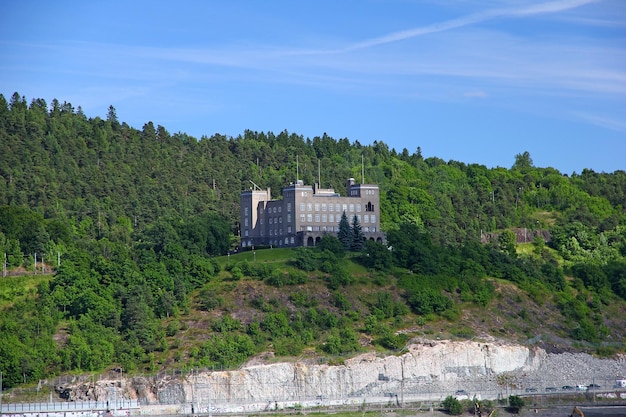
point(516, 403)
point(428, 301)
point(345, 233)
point(377, 256)
point(357, 235)
point(337, 277)
point(452, 405)
point(226, 350)
point(341, 342)
point(305, 260)
point(331, 244)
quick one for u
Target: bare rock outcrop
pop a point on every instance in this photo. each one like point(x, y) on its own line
point(425, 370)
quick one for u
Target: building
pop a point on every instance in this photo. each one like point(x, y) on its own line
point(306, 213)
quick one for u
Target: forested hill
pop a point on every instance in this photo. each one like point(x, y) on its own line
point(138, 217)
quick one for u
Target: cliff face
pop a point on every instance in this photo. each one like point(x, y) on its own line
point(425, 371)
point(432, 365)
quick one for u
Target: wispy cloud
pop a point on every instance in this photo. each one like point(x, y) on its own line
point(605, 122)
point(549, 7)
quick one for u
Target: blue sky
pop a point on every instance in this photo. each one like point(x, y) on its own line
point(476, 81)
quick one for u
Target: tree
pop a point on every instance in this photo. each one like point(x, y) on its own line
point(332, 245)
point(506, 242)
point(357, 235)
point(523, 161)
point(376, 256)
point(345, 234)
point(516, 403)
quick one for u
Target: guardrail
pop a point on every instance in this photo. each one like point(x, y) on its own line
point(68, 406)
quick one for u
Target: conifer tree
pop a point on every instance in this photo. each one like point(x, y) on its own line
point(345, 233)
point(357, 235)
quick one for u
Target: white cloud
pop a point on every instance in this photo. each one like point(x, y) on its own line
point(605, 122)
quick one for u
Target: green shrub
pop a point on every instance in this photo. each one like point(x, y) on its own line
point(516, 403)
point(452, 405)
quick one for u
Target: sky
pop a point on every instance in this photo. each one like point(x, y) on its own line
point(475, 81)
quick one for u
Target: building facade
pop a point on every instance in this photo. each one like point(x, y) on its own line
point(306, 213)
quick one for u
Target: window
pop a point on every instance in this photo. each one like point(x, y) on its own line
point(245, 211)
point(324, 219)
point(301, 206)
point(245, 221)
point(351, 208)
point(358, 217)
point(323, 207)
point(366, 218)
point(309, 218)
point(245, 233)
point(366, 229)
point(345, 207)
point(317, 207)
point(288, 229)
point(289, 218)
point(331, 218)
point(280, 220)
point(331, 207)
point(271, 220)
point(274, 210)
point(369, 206)
point(304, 193)
point(288, 206)
point(309, 207)
point(302, 218)
point(358, 208)
point(337, 207)
point(292, 240)
point(261, 220)
point(317, 218)
point(373, 218)
point(373, 230)
point(280, 209)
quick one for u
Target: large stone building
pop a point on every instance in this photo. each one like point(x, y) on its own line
point(306, 213)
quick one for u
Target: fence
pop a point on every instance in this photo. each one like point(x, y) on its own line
point(68, 406)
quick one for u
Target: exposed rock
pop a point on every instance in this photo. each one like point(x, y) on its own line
point(432, 369)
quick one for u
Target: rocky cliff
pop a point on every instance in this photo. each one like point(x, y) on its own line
point(429, 370)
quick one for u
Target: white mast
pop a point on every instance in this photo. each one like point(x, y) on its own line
point(362, 170)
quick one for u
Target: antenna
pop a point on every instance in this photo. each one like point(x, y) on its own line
point(256, 187)
point(362, 170)
point(319, 174)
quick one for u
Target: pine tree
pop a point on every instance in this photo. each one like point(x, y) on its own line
point(357, 235)
point(345, 233)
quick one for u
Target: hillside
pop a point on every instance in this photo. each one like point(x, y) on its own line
point(140, 226)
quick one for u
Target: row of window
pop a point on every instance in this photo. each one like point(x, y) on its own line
point(279, 232)
point(309, 207)
point(323, 218)
point(331, 207)
point(333, 229)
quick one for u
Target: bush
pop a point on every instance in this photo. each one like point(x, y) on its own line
point(452, 405)
point(515, 403)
